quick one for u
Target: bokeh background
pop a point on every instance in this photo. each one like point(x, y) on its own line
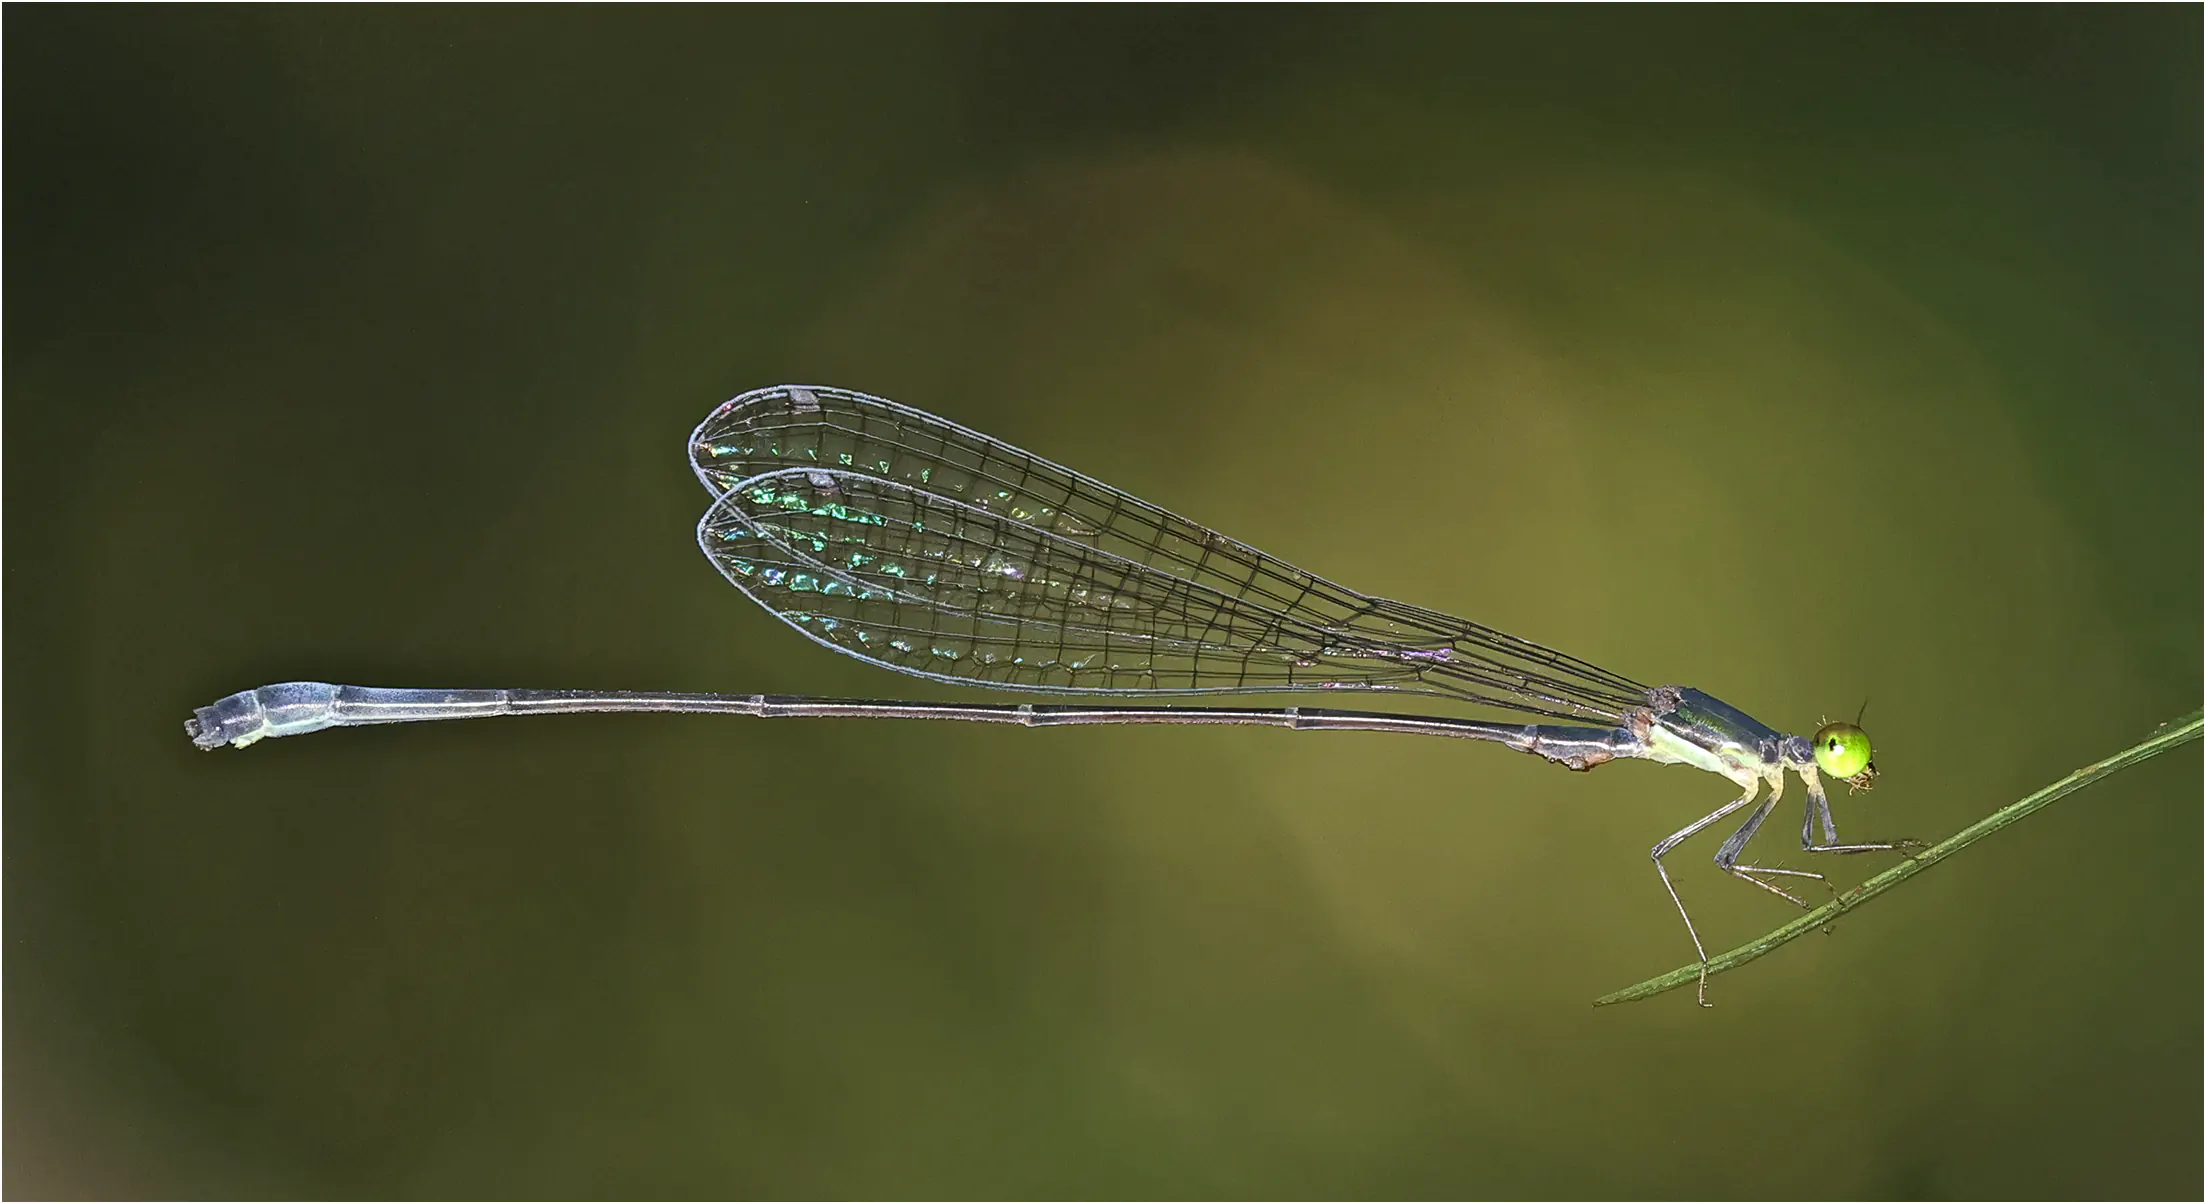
point(1810, 357)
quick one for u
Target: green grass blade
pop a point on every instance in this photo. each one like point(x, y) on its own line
point(2168, 735)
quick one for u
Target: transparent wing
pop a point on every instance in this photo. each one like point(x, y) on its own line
point(894, 536)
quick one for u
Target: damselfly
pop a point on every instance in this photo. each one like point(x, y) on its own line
point(912, 543)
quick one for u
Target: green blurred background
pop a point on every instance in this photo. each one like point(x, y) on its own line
point(1806, 356)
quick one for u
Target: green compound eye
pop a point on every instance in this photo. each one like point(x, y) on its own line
point(1842, 751)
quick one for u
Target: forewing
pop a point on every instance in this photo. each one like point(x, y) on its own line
point(1190, 609)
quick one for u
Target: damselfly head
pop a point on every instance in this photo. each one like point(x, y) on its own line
point(1869, 768)
point(1842, 751)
